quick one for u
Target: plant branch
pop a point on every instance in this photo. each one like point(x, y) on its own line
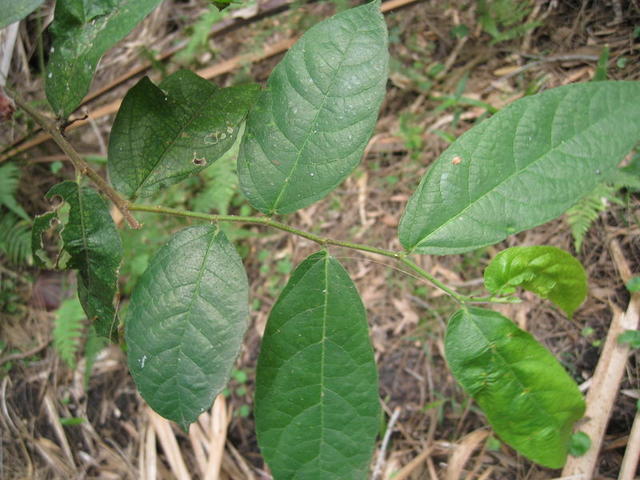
point(323, 241)
point(423, 273)
point(78, 162)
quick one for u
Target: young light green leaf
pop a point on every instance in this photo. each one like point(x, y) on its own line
point(579, 444)
point(547, 271)
point(184, 328)
point(529, 399)
point(309, 129)
point(164, 134)
point(524, 166)
point(15, 10)
point(633, 285)
point(630, 337)
point(93, 243)
point(82, 32)
point(316, 384)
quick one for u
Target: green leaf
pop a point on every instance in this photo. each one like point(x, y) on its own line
point(633, 285)
point(317, 407)
point(219, 182)
point(529, 399)
point(310, 127)
point(523, 167)
point(15, 10)
point(164, 134)
point(185, 323)
point(71, 421)
point(579, 444)
point(83, 30)
point(631, 337)
point(547, 271)
point(92, 241)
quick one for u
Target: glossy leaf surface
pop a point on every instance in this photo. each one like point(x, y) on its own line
point(93, 243)
point(522, 167)
point(316, 384)
point(528, 397)
point(547, 271)
point(83, 30)
point(15, 10)
point(164, 134)
point(184, 328)
point(309, 129)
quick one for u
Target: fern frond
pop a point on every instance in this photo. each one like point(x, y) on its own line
point(9, 178)
point(221, 183)
point(67, 331)
point(621, 178)
point(15, 239)
point(586, 211)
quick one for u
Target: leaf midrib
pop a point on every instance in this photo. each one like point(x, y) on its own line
point(508, 367)
point(195, 113)
point(519, 172)
point(194, 296)
point(323, 355)
point(85, 246)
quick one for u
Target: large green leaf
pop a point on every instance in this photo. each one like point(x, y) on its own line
point(164, 134)
point(547, 271)
point(14, 10)
point(83, 30)
point(524, 166)
point(93, 243)
point(309, 129)
point(184, 328)
point(529, 399)
point(316, 384)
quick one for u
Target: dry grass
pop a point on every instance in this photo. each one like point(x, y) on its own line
point(438, 433)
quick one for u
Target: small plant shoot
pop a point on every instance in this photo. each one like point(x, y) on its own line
point(316, 407)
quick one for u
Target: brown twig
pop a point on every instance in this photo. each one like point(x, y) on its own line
point(377, 471)
point(632, 453)
point(209, 73)
point(78, 162)
point(606, 378)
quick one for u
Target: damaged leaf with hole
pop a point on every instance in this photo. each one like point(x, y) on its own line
point(166, 133)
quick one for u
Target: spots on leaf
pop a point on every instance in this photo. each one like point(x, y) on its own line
point(198, 161)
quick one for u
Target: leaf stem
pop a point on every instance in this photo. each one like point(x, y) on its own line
point(268, 222)
point(423, 273)
point(78, 162)
point(323, 241)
